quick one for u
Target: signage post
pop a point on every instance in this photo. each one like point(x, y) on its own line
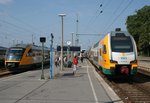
point(51, 57)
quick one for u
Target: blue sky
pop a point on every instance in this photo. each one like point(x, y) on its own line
point(20, 19)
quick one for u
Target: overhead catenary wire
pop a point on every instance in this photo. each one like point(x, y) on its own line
point(130, 2)
point(16, 26)
point(11, 29)
point(21, 21)
point(92, 19)
point(9, 34)
point(102, 6)
point(18, 30)
point(114, 12)
point(7, 37)
point(28, 25)
point(15, 29)
point(90, 34)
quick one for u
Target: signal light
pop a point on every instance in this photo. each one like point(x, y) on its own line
point(118, 29)
point(42, 39)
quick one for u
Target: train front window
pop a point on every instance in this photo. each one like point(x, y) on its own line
point(121, 44)
point(15, 53)
point(2, 54)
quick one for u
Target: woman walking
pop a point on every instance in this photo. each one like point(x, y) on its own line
point(75, 62)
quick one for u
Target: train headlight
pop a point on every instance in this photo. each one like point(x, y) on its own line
point(133, 62)
point(113, 61)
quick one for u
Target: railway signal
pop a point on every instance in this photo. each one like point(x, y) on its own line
point(42, 40)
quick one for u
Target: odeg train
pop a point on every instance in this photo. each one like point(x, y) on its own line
point(24, 56)
point(115, 54)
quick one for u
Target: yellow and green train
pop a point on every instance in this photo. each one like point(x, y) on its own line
point(116, 53)
point(25, 56)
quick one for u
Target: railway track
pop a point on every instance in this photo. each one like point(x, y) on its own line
point(131, 90)
point(4, 73)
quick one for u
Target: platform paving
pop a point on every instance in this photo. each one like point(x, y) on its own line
point(83, 87)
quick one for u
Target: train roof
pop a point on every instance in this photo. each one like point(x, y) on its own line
point(119, 33)
point(2, 48)
point(29, 45)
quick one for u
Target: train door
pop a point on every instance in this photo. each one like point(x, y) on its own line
point(100, 55)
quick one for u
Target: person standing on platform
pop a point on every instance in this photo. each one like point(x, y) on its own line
point(81, 58)
point(75, 62)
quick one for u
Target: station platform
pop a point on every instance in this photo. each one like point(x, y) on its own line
point(86, 86)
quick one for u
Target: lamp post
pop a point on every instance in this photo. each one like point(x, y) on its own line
point(72, 38)
point(62, 15)
point(72, 46)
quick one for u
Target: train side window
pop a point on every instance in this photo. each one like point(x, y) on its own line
point(104, 49)
point(29, 54)
point(34, 52)
point(100, 52)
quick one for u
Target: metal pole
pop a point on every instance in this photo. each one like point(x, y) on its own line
point(72, 39)
point(32, 38)
point(72, 50)
point(68, 53)
point(62, 15)
point(51, 60)
point(62, 45)
point(42, 75)
point(77, 37)
point(51, 57)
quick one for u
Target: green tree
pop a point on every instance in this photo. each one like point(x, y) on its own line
point(139, 27)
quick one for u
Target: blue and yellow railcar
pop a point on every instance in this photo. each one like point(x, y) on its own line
point(25, 56)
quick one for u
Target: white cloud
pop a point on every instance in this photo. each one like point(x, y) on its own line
point(5, 1)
